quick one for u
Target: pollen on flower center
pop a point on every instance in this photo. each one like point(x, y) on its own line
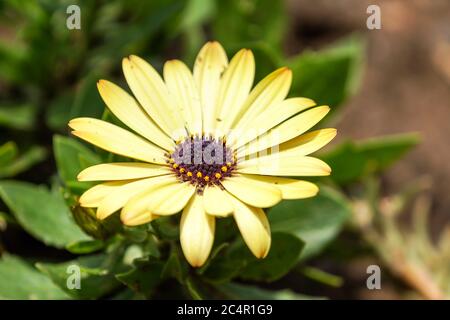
point(202, 160)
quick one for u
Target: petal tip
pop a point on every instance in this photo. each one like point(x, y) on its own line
point(213, 43)
point(196, 263)
point(71, 124)
point(285, 70)
point(126, 63)
point(134, 58)
point(101, 215)
point(80, 176)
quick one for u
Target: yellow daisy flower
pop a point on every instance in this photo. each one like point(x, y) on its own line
point(206, 144)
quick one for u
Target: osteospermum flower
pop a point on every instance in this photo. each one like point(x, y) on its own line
point(205, 143)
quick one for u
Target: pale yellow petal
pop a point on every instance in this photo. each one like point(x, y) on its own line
point(290, 188)
point(208, 68)
point(270, 90)
point(173, 200)
point(308, 142)
point(152, 94)
point(272, 116)
point(277, 165)
point(252, 192)
point(235, 86)
point(122, 171)
point(182, 87)
point(254, 227)
point(139, 203)
point(196, 232)
point(217, 201)
point(125, 107)
point(93, 196)
point(285, 131)
point(116, 140)
point(144, 218)
point(117, 199)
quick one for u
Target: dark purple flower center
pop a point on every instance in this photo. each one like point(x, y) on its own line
point(202, 161)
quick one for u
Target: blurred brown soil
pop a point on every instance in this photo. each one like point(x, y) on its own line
point(405, 85)
point(405, 88)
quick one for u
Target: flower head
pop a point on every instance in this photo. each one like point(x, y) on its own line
point(204, 143)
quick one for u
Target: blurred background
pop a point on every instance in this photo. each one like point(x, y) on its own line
point(388, 89)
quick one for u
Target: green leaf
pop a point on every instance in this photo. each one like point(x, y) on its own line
point(58, 113)
point(18, 280)
point(196, 13)
point(283, 256)
point(155, 16)
point(165, 228)
point(12, 55)
point(237, 291)
point(176, 266)
point(192, 286)
point(254, 20)
point(87, 101)
point(238, 261)
point(8, 153)
point(96, 271)
point(41, 213)
point(85, 247)
point(322, 276)
point(383, 151)
point(347, 164)
point(72, 157)
point(135, 234)
point(216, 250)
point(315, 220)
point(21, 116)
point(150, 247)
point(329, 76)
point(144, 277)
point(351, 161)
point(23, 162)
point(193, 18)
point(227, 265)
point(98, 229)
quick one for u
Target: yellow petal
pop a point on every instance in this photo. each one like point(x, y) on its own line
point(254, 227)
point(285, 131)
point(290, 188)
point(139, 204)
point(152, 94)
point(270, 90)
point(235, 86)
point(175, 199)
point(125, 107)
point(116, 140)
point(142, 219)
point(308, 142)
point(122, 171)
point(272, 116)
point(196, 232)
point(117, 199)
point(278, 165)
point(182, 87)
point(252, 192)
point(208, 68)
point(93, 196)
point(217, 202)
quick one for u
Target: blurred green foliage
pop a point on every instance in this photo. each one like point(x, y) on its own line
point(48, 75)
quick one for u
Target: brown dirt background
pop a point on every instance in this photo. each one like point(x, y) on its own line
point(406, 81)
